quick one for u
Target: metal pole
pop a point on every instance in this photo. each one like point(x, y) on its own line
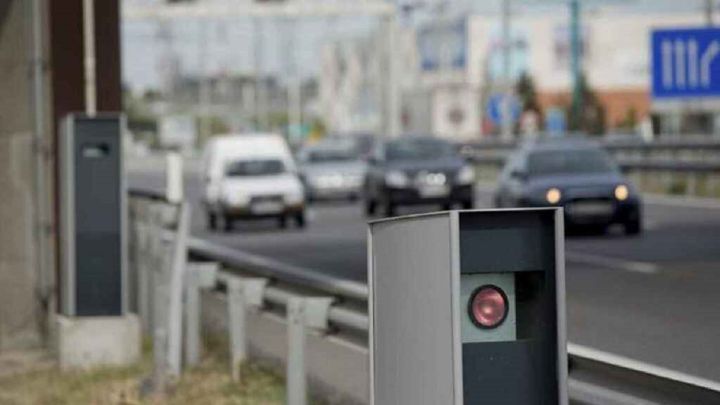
point(709, 6)
point(294, 90)
point(237, 325)
point(89, 49)
point(392, 102)
point(175, 285)
point(575, 50)
point(204, 85)
point(296, 379)
point(261, 92)
point(506, 113)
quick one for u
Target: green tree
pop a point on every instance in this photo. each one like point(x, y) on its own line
point(590, 118)
point(525, 90)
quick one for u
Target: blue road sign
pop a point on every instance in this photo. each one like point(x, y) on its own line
point(686, 63)
point(494, 108)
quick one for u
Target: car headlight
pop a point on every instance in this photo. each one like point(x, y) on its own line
point(553, 195)
point(396, 178)
point(466, 175)
point(622, 192)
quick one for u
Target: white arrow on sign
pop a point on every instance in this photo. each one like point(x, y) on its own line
point(687, 64)
point(706, 60)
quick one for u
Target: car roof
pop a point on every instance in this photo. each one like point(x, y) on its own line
point(568, 143)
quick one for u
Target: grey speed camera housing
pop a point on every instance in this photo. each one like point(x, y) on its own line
point(468, 307)
point(93, 216)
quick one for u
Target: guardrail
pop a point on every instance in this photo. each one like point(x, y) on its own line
point(667, 167)
point(310, 300)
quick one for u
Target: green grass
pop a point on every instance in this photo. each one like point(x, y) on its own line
point(208, 383)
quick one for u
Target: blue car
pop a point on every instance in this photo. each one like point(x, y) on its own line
point(575, 174)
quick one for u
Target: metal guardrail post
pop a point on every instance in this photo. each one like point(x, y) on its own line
point(243, 294)
point(302, 312)
point(159, 298)
point(198, 276)
point(175, 293)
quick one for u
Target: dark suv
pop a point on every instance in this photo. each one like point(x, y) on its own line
point(417, 170)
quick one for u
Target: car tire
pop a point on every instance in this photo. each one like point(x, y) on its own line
point(300, 219)
point(390, 209)
point(633, 227)
point(447, 206)
point(282, 221)
point(468, 205)
point(227, 223)
point(211, 221)
point(370, 207)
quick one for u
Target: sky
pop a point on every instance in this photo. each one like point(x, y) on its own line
point(226, 45)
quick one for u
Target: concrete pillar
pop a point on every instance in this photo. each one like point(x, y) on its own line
point(19, 306)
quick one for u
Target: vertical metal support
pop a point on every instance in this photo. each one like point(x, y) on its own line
point(392, 85)
point(302, 312)
point(296, 378)
point(159, 298)
point(177, 276)
point(173, 177)
point(237, 312)
point(575, 55)
point(198, 277)
point(243, 294)
point(506, 113)
point(89, 49)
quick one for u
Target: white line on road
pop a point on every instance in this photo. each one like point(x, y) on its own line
point(612, 263)
point(588, 393)
point(686, 202)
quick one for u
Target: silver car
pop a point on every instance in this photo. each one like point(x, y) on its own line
point(331, 170)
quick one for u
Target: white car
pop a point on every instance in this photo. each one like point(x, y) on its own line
point(251, 176)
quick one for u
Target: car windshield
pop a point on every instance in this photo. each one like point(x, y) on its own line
point(569, 162)
point(330, 156)
point(265, 167)
point(419, 150)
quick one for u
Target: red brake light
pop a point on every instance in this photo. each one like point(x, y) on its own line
point(488, 307)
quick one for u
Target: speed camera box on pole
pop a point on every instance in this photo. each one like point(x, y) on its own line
point(93, 211)
point(467, 307)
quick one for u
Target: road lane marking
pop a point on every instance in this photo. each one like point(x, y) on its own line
point(595, 394)
point(612, 263)
point(642, 367)
point(691, 202)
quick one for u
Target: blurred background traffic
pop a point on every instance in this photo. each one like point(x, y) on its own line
point(299, 121)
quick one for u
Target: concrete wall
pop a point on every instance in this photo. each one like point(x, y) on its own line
point(18, 304)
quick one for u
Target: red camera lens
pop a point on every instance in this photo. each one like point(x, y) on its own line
point(488, 307)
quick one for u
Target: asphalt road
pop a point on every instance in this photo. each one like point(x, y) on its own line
point(653, 297)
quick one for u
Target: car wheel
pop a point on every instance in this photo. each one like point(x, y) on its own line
point(633, 227)
point(282, 221)
point(370, 207)
point(390, 209)
point(447, 206)
point(300, 219)
point(211, 221)
point(227, 223)
point(468, 205)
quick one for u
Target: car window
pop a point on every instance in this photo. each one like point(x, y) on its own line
point(244, 168)
point(418, 150)
point(569, 162)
